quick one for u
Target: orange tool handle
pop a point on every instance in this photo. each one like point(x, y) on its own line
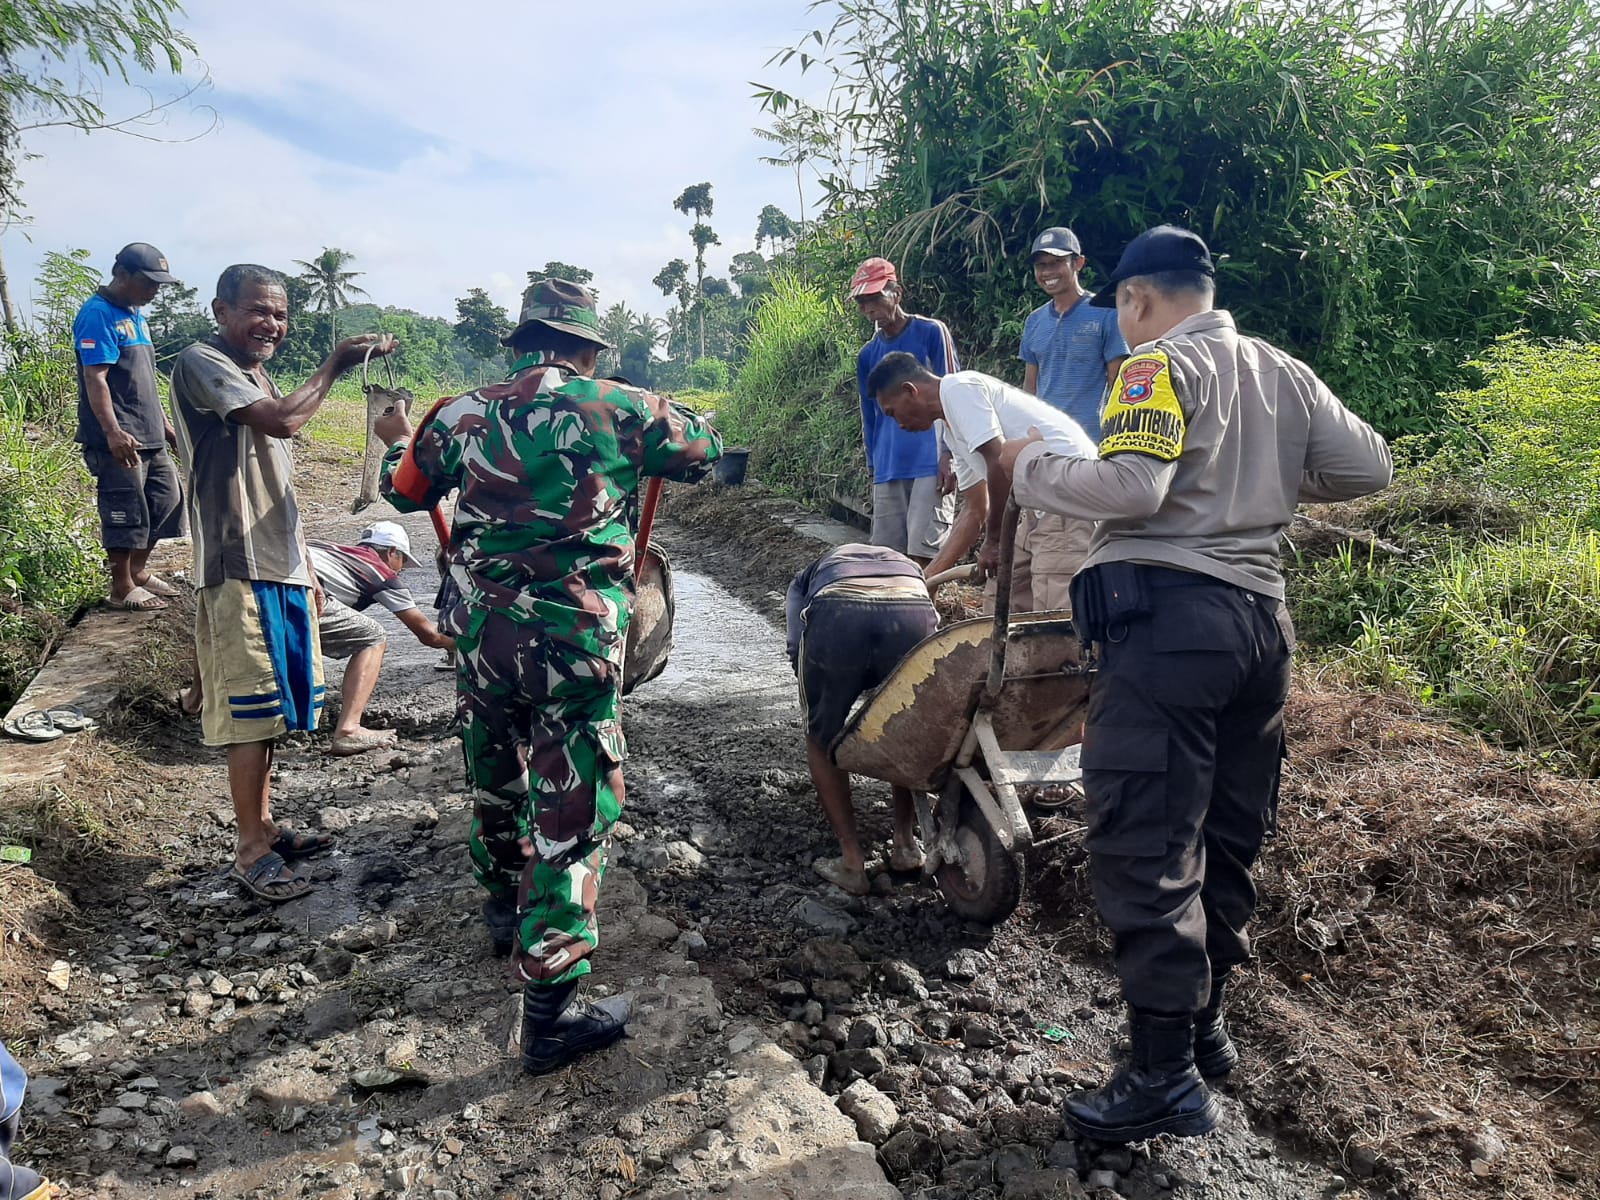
point(647, 519)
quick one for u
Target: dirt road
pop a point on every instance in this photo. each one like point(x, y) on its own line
point(792, 1041)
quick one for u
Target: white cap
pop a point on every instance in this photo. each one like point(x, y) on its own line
point(388, 535)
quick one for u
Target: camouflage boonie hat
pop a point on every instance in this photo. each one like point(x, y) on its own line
point(560, 305)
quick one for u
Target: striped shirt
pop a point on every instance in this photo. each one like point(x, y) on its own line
point(356, 577)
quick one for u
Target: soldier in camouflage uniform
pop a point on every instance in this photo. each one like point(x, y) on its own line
point(543, 553)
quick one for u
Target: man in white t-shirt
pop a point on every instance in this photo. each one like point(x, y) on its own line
point(980, 414)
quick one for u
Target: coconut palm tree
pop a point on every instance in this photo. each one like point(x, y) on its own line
point(616, 326)
point(330, 285)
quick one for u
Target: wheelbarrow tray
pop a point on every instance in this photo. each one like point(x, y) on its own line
point(910, 730)
point(650, 629)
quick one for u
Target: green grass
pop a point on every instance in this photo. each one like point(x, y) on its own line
point(795, 403)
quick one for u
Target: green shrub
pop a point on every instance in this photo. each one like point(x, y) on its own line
point(1390, 185)
point(1505, 633)
point(1533, 429)
point(795, 402)
point(708, 375)
point(50, 556)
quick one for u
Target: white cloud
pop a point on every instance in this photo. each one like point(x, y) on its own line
point(446, 154)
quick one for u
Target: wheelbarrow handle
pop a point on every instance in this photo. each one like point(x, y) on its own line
point(441, 528)
point(964, 571)
point(1002, 601)
point(647, 515)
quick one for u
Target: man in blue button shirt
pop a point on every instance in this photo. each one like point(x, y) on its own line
point(909, 514)
point(1072, 353)
point(123, 427)
point(1072, 350)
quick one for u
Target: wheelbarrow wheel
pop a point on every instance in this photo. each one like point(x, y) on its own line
point(986, 883)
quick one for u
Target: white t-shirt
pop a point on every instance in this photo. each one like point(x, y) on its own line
point(979, 408)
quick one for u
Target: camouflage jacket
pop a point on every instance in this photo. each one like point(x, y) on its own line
point(546, 465)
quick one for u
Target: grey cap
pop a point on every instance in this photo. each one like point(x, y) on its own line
point(141, 258)
point(1057, 240)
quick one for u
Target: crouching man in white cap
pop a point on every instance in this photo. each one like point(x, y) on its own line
point(355, 578)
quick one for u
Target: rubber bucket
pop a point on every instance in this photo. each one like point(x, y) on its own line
point(730, 468)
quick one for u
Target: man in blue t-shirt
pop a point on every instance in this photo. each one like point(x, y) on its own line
point(124, 429)
point(909, 513)
point(1072, 351)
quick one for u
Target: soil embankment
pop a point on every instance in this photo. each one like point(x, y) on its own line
point(352, 1044)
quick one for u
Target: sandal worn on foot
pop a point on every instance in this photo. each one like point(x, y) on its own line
point(33, 726)
point(291, 843)
point(158, 586)
point(271, 879)
point(141, 599)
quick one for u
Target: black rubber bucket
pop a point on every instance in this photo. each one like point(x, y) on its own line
point(729, 469)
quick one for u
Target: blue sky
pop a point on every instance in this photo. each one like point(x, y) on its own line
point(447, 148)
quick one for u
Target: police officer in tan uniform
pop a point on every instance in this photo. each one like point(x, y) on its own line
point(1209, 440)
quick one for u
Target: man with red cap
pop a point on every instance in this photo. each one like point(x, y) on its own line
point(909, 513)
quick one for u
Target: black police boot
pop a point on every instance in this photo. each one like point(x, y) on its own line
point(1158, 1092)
point(500, 915)
point(555, 1030)
point(1214, 1054)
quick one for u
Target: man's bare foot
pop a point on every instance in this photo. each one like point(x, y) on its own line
point(907, 857)
point(852, 880)
point(362, 740)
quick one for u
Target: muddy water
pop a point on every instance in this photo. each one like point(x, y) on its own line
point(722, 648)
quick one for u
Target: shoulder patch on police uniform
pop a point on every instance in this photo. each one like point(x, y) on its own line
point(1143, 414)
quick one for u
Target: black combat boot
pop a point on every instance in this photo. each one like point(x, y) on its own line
point(500, 915)
point(555, 1030)
point(1158, 1092)
point(1214, 1055)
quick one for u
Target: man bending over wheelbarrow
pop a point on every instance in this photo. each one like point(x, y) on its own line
point(853, 615)
point(541, 545)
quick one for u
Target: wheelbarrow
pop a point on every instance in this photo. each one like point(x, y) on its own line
point(650, 630)
point(975, 711)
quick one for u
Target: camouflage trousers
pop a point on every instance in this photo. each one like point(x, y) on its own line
point(544, 753)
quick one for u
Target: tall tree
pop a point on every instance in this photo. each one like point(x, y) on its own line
point(480, 324)
point(673, 280)
point(696, 199)
point(38, 38)
point(616, 326)
point(330, 286)
point(556, 269)
point(752, 274)
point(775, 226)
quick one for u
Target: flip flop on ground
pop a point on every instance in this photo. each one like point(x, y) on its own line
point(361, 741)
point(33, 726)
point(69, 718)
point(158, 586)
point(271, 879)
point(291, 843)
point(141, 599)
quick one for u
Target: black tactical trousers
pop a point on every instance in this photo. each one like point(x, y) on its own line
point(1181, 759)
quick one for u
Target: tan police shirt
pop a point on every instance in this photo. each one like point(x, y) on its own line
point(1208, 441)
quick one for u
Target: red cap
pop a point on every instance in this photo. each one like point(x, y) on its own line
point(872, 277)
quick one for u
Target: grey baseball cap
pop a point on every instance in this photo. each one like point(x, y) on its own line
point(141, 258)
point(1057, 240)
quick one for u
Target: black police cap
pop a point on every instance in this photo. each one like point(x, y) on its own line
point(1164, 248)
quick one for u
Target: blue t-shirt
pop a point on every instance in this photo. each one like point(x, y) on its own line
point(1071, 350)
point(107, 333)
point(893, 452)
